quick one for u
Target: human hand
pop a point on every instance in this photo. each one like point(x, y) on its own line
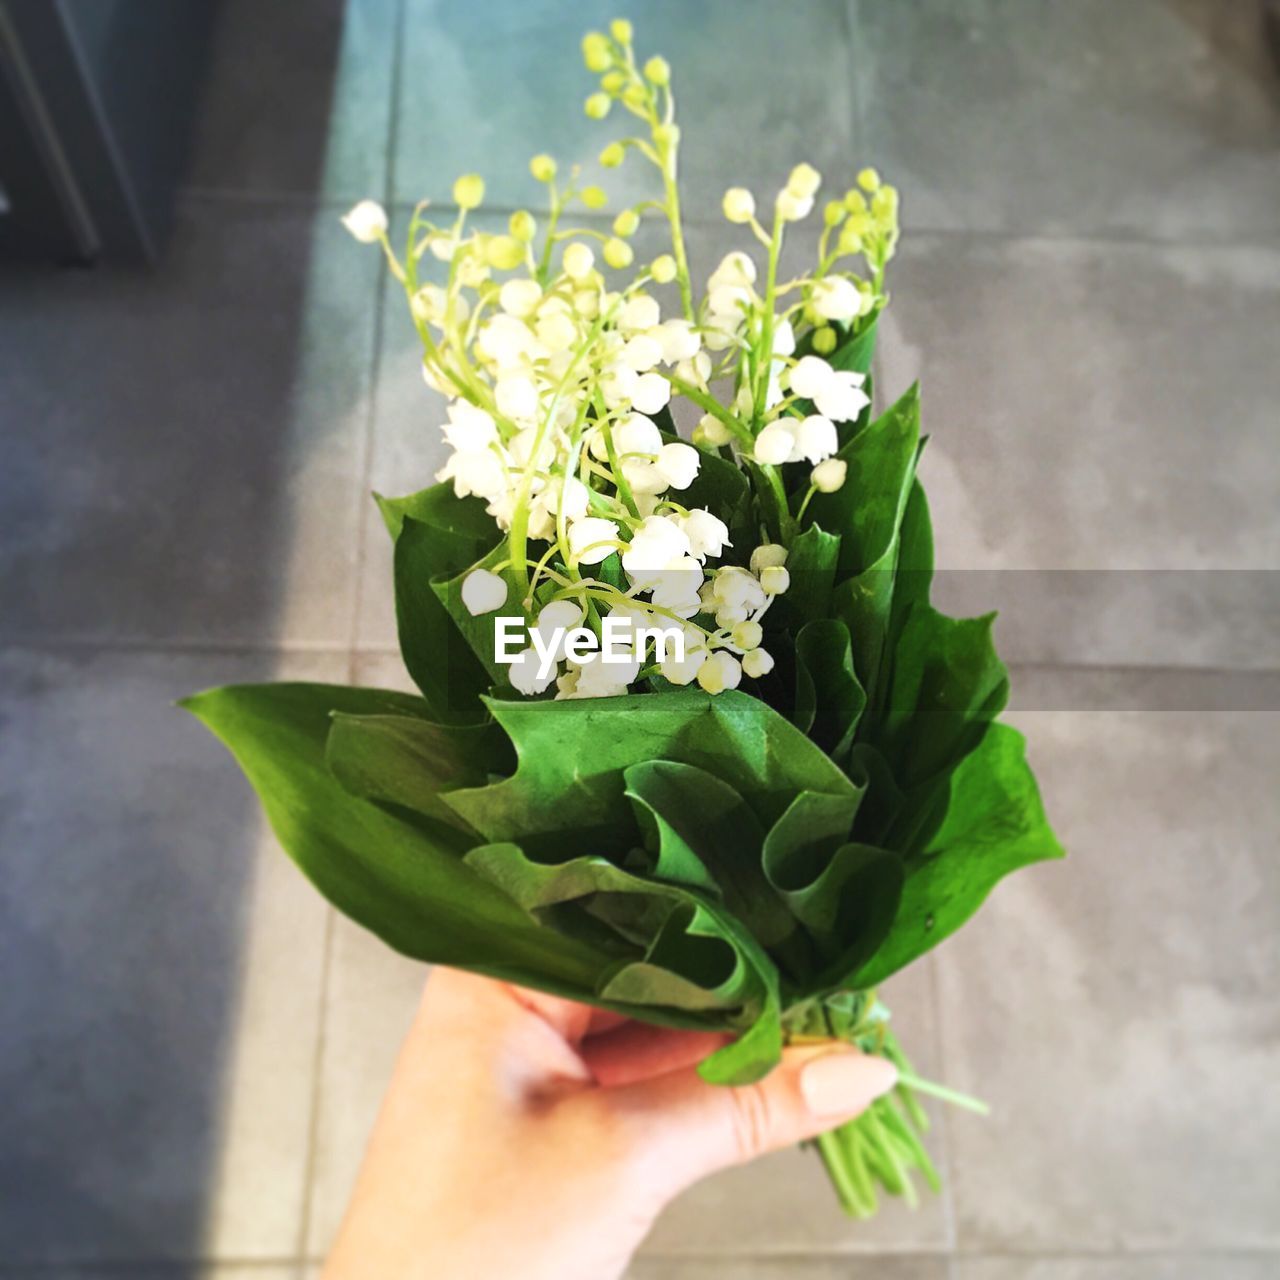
point(522, 1135)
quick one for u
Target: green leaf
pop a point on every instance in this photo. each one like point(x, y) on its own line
point(440, 507)
point(406, 884)
point(829, 699)
point(409, 761)
point(572, 756)
point(435, 655)
point(811, 562)
point(480, 631)
point(995, 823)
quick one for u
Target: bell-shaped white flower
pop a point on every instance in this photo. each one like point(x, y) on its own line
point(639, 313)
point(555, 621)
point(677, 587)
point(809, 376)
point(678, 464)
point(520, 297)
point(644, 479)
point(843, 398)
point(757, 663)
point(837, 298)
point(516, 397)
point(679, 341)
point(652, 393)
point(774, 580)
point(736, 268)
point(483, 592)
point(695, 371)
point(578, 260)
point(656, 542)
point(766, 554)
point(735, 588)
point(721, 671)
point(557, 330)
point(708, 535)
point(776, 443)
point(815, 439)
point(792, 207)
point(592, 539)
point(469, 428)
point(618, 385)
point(367, 221)
point(600, 679)
point(746, 635)
point(567, 495)
point(683, 671)
point(481, 472)
point(641, 353)
point(527, 675)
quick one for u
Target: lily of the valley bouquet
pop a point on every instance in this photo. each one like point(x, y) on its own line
point(692, 744)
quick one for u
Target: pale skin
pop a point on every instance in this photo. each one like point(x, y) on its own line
point(531, 1136)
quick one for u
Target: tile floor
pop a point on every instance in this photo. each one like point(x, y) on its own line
point(192, 1047)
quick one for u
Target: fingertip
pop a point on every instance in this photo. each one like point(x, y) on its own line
point(845, 1081)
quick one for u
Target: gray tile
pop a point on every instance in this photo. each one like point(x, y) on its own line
point(1170, 1267)
point(784, 1204)
point(298, 99)
point(484, 95)
point(882, 1266)
point(183, 451)
point(1153, 117)
point(163, 964)
point(1118, 1009)
point(1102, 462)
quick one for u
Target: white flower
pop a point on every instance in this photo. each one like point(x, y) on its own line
point(757, 663)
point(776, 443)
point(837, 298)
point(584, 535)
point(774, 580)
point(708, 535)
point(735, 588)
point(558, 616)
point(767, 554)
point(482, 472)
point(600, 679)
point(506, 342)
point(469, 428)
point(523, 444)
point(516, 396)
point(520, 297)
point(791, 207)
point(569, 494)
point(483, 592)
point(676, 587)
point(804, 180)
point(652, 393)
point(747, 635)
point(638, 314)
point(644, 478)
point(735, 268)
point(557, 330)
point(367, 221)
point(815, 439)
point(829, 476)
point(678, 464)
point(578, 260)
point(728, 303)
point(618, 384)
point(837, 394)
point(641, 353)
point(526, 673)
point(657, 541)
point(721, 671)
point(685, 671)
point(679, 341)
point(810, 376)
point(636, 434)
point(695, 371)
point(711, 432)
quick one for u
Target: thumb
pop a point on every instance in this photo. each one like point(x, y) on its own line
point(686, 1128)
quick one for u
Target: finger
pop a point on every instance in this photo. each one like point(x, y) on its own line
point(636, 1051)
point(573, 1021)
point(684, 1128)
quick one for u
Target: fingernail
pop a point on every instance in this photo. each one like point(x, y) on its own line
point(843, 1082)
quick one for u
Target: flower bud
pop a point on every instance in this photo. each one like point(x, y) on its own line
point(829, 475)
point(747, 635)
point(792, 207)
point(824, 340)
point(804, 181)
point(543, 168)
point(774, 580)
point(613, 155)
point(523, 225)
point(626, 222)
point(367, 221)
point(768, 555)
point(594, 197)
point(621, 30)
point(596, 53)
point(719, 672)
point(578, 260)
point(739, 204)
point(504, 252)
point(832, 213)
point(757, 663)
point(658, 71)
point(855, 201)
point(468, 191)
point(711, 432)
point(869, 180)
point(613, 82)
point(618, 253)
point(666, 135)
point(483, 592)
point(663, 268)
point(635, 96)
point(597, 106)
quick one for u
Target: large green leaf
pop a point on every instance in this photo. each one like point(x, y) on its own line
point(465, 519)
point(994, 824)
point(572, 756)
point(811, 563)
point(829, 699)
point(405, 882)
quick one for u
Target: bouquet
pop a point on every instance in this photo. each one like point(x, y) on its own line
point(691, 744)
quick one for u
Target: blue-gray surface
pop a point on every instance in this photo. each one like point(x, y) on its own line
point(191, 1048)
